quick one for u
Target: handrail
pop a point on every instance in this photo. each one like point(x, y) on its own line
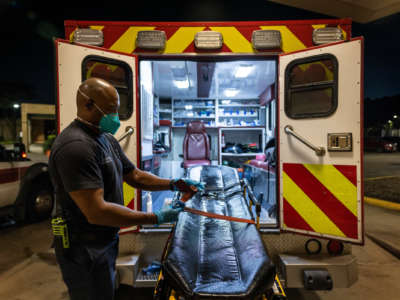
point(320, 151)
point(128, 132)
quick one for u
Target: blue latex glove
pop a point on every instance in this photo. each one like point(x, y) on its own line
point(183, 185)
point(153, 268)
point(168, 214)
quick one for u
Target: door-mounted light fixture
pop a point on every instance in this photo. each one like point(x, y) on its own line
point(208, 40)
point(151, 39)
point(88, 36)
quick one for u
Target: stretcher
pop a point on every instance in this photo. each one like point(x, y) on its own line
point(213, 258)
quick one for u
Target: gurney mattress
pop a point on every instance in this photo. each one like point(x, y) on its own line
point(212, 258)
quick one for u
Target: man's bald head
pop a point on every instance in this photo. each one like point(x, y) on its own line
point(100, 92)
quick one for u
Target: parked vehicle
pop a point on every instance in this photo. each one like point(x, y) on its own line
point(26, 193)
point(395, 140)
point(178, 71)
point(379, 144)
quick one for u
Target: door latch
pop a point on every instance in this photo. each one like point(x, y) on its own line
point(340, 142)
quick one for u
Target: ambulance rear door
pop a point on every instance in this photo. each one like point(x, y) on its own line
point(320, 134)
point(77, 62)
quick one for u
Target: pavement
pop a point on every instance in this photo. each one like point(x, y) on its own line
point(382, 226)
point(28, 269)
point(37, 277)
point(382, 202)
point(381, 164)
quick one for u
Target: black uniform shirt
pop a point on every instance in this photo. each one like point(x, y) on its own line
point(84, 159)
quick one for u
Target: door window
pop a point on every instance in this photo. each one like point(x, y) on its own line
point(311, 87)
point(117, 73)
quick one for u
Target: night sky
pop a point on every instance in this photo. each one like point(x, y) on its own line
point(28, 27)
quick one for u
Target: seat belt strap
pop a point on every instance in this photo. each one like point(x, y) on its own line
point(217, 216)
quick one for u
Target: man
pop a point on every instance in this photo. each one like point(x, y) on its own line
point(88, 167)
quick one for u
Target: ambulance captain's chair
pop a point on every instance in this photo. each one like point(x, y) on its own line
point(196, 145)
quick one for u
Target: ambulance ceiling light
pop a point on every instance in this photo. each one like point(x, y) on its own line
point(182, 84)
point(231, 92)
point(208, 40)
point(151, 39)
point(188, 107)
point(88, 36)
point(243, 71)
point(327, 35)
point(266, 39)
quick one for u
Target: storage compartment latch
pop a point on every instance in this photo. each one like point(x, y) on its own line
point(340, 141)
point(317, 280)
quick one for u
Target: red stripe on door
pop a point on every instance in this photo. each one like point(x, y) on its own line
point(323, 198)
point(350, 172)
point(9, 175)
point(292, 218)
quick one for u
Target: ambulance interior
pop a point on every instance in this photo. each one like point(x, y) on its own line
point(230, 102)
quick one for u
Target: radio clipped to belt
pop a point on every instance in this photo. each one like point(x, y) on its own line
point(60, 232)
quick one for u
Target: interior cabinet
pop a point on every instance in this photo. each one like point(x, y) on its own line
point(185, 110)
point(218, 112)
point(240, 112)
point(237, 145)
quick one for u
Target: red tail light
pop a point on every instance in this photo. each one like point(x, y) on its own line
point(23, 155)
point(335, 247)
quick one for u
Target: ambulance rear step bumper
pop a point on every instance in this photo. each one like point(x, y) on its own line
point(341, 269)
point(130, 273)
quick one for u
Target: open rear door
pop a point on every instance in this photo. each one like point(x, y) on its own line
point(320, 141)
point(75, 63)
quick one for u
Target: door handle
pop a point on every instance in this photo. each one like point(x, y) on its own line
point(320, 151)
point(128, 132)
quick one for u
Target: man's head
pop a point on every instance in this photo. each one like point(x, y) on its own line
point(96, 98)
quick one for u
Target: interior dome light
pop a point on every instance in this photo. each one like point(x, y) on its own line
point(182, 84)
point(231, 92)
point(243, 71)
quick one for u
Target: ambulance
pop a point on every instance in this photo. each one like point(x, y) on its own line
point(279, 101)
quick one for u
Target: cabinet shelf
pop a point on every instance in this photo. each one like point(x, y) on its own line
point(194, 117)
point(238, 105)
point(244, 135)
point(237, 116)
point(204, 106)
point(241, 154)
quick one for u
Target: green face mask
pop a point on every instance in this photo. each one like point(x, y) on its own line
point(108, 123)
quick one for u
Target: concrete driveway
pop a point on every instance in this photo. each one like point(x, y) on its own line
point(381, 164)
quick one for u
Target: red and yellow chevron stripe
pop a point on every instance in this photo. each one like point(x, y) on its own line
point(321, 199)
point(121, 36)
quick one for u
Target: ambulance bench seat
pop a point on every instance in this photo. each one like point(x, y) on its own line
point(217, 259)
point(196, 145)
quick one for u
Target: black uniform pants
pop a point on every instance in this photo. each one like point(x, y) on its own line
point(89, 270)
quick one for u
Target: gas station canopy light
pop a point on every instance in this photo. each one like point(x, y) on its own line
point(88, 36)
point(327, 35)
point(208, 40)
point(151, 39)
